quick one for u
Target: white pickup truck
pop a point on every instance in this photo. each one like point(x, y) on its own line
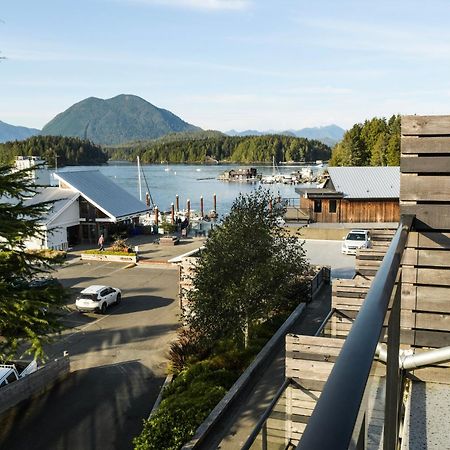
point(15, 370)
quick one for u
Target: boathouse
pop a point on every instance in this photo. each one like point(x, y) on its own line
point(354, 195)
point(241, 174)
point(86, 204)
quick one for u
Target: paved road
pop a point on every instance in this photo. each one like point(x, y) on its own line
point(119, 361)
point(328, 253)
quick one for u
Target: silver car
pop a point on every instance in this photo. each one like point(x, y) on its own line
point(97, 298)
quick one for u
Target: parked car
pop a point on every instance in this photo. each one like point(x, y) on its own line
point(356, 239)
point(97, 298)
point(13, 371)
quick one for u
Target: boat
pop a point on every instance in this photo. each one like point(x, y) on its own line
point(276, 176)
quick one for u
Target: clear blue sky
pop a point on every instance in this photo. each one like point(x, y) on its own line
point(222, 64)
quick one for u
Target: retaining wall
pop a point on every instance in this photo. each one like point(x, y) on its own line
point(34, 384)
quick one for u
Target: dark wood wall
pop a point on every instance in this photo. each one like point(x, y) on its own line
point(353, 211)
point(425, 192)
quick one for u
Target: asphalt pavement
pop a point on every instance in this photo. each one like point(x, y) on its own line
point(119, 362)
point(328, 253)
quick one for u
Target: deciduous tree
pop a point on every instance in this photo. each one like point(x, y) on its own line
point(246, 271)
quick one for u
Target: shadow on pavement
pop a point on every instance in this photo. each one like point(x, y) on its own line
point(97, 408)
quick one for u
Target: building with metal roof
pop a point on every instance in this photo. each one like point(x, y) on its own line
point(85, 205)
point(108, 197)
point(365, 182)
point(354, 195)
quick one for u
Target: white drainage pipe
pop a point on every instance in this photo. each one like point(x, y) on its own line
point(408, 361)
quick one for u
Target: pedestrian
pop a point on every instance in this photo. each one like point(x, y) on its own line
point(101, 241)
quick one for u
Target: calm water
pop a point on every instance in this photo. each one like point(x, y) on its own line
point(189, 182)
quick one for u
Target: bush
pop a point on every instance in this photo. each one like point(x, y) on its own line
point(185, 349)
point(198, 386)
point(120, 245)
point(56, 256)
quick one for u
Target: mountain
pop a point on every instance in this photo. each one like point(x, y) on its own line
point(14, 133)
point(259, 133)
point(331, 132)
point(329, 135)
point(116, 120)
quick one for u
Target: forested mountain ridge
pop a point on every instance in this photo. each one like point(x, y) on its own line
point(10, 132)
point(329, 134)
point(375, 142)
point(116, 120)
point(219, 147)
point(69, 151)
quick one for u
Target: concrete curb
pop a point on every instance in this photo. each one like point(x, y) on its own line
point(167, 381)
point(152, 264)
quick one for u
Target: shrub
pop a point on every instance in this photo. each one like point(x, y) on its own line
point(120, 245)
point(199, 386)
point(185, 349)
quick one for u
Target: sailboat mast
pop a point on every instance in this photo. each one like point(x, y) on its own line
point(139, 178)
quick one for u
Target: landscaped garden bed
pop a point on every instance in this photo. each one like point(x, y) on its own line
point(106, 255)
point(119, 251)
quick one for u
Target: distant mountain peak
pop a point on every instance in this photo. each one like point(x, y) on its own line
point(328, 134)
point(116, 120)
point(10, 132)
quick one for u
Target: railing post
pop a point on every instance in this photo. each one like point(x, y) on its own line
point(393, 382)
point(264, 436)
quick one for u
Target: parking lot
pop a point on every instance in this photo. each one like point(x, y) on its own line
point(120, 361)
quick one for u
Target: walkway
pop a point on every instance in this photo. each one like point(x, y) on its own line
point(426, 425)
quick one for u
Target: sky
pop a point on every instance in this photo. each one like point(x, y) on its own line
point(228, 64)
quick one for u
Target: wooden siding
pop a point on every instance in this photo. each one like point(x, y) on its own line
point(354, 211)
point(369, 211)
point(425, 192)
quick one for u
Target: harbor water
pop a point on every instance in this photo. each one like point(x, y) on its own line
point(191, 182)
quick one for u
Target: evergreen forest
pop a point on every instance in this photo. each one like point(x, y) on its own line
point(214, 146)
point(375, 142)
point(68, 151)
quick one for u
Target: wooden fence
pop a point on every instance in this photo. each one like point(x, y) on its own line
point(425, 192)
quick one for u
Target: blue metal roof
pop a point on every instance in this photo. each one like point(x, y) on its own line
point(366, 182)
point(103, 193)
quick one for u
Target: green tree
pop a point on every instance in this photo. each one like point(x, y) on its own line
point(27, 315)
point(246, 271)
point(375, 143)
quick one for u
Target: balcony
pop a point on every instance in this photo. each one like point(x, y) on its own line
point(376, 375)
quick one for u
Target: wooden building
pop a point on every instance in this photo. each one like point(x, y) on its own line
point(241, 174)
point(354, 195)
point(85, 205)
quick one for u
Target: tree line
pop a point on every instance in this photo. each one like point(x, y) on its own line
point(239, 149)
point(68, 151)
point(375, 142)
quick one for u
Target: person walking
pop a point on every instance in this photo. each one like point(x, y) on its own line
point(101, 241)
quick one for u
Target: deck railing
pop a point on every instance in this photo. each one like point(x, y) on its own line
point(339, 420)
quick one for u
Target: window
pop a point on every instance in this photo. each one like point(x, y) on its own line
point(317, 206)
point(332, 205)
point(11, 377)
